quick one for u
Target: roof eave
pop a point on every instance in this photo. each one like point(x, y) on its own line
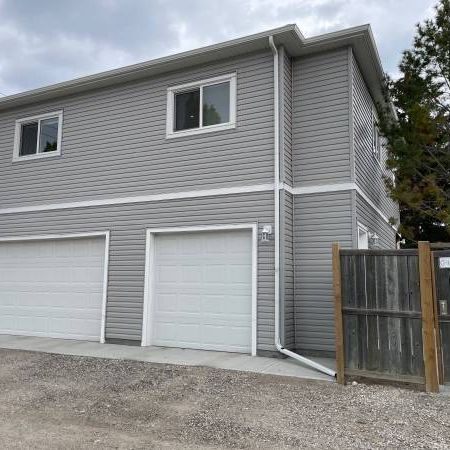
point(359, 38)
point(288, 35)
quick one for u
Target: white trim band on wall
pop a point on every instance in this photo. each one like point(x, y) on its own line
point(325, 188)
point(302, 190)
point(141, 198)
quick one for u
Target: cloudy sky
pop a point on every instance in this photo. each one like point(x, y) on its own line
point(48, 41)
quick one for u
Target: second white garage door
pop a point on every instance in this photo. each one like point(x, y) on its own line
point(52, 288)
point(202, 290)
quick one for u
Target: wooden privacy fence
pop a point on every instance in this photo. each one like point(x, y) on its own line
point(385, 316)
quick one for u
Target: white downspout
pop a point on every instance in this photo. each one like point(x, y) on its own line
point(277, 184)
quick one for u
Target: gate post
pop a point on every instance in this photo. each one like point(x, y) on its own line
point(428, 319)
point(337, 289)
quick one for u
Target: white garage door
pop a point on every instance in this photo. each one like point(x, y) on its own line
point(202, 295)
point(52, 288)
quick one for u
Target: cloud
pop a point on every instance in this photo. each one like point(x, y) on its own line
point(51, 41)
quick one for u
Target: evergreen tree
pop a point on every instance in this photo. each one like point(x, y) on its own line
point(419, 140)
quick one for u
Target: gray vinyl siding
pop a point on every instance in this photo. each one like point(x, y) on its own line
point(286, 124)
point(128, 223)
point(321, 136)
point(368, 217)
point(114, 141)
point(287, 260)
point(319, 220)
point(368, 171)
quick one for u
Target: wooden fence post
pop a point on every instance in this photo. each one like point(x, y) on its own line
point(428, 320)
point(436, 324)
point(339, 329)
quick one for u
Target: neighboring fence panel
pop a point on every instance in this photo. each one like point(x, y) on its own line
point(382, 320)
point(442, 277)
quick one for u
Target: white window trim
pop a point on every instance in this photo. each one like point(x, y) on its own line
point(18, 135)
point(376, 140)
point(171, 91)
point(364, 229)
point(150, 266)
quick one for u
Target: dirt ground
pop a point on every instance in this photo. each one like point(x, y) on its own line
point(53, 401)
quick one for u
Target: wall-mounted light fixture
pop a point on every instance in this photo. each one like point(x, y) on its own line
point(374, 240)
point(266, 233)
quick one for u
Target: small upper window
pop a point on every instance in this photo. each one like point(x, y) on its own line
point(363, 237)
point(202, 106)
point(376, 140)
point(38, 136)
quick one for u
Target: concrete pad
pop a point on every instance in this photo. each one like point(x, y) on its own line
point(165, 355)
point(292, 368)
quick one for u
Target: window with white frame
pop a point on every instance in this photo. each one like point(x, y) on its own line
point(376, 139)
point(38, 136)
point(203, 106)
point(363, 237)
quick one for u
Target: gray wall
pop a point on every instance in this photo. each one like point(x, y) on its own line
point(367, 216)
point(321, 136)
point(114, 144)
point(321, 155)
point(127, 251)
point(319, 220)
point(114, 141)
point(368, 171)
point(287, 258)
point(286, 119)
point(286, 201)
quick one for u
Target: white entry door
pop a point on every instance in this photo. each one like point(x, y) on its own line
point(202, 290)
point(52, 288)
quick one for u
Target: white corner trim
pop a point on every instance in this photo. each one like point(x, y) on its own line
point(141, 198)
point(170, 117)
point(150, 264)
point(105, 234)
point(38, 118)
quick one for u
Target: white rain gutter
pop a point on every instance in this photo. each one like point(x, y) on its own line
point(277, 184)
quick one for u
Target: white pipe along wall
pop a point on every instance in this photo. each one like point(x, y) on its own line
point(277, 185)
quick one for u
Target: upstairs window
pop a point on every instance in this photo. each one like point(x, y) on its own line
point(363, 237)
point(376, 140)
point(208, 105)
point(38, 136)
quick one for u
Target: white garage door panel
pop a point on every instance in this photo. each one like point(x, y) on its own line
point(52, 288)
point(203, 290)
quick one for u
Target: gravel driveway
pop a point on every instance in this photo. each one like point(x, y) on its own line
point(54, 401)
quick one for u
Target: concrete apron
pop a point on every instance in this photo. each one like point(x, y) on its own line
point(165, 355)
